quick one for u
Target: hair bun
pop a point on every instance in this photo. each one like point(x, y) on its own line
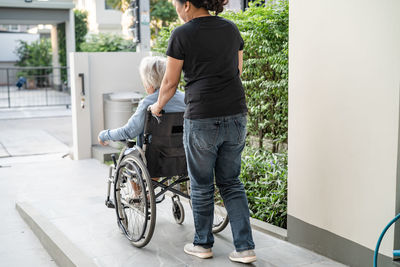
point(212, 5)
point(215, 5)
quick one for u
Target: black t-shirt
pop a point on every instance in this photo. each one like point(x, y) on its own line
point(209, 47)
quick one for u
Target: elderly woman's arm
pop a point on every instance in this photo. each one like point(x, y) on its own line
point(169, 84)
point(131, 129)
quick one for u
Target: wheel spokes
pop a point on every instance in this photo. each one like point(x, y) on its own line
point(133, 199)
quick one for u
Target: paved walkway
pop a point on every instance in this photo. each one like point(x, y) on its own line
point(26, 139)
point(70, 195)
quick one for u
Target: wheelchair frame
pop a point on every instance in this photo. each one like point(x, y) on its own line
point(130, 176)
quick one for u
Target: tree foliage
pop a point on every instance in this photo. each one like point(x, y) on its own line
point(34, 54)
point(119, 4)
point(162, 12)
point(81, 29)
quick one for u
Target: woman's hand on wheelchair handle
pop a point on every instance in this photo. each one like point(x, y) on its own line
point(155, 109)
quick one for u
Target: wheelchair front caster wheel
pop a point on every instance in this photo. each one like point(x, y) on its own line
point(178, 211)
point(110, 204)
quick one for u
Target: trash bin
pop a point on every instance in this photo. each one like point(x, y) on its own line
point(118, 108)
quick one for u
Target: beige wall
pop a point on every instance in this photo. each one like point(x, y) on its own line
point(344, 67)
point(111, 72)
point(104, 73)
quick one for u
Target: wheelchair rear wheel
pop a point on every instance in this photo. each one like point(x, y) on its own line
point(134, 198)
point(221, 219)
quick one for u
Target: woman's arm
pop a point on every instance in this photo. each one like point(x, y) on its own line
point(169, 84)
point(240, 57)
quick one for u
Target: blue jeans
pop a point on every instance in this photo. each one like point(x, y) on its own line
point(213, 147)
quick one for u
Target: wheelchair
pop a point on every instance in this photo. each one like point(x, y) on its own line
point(162, 156)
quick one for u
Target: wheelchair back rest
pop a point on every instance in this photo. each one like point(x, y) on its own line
point(164, 150)
point(171, 124)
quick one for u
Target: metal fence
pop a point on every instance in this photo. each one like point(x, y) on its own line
point(34, 87)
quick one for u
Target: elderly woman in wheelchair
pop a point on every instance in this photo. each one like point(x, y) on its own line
point(158, 153)
point(152, 70)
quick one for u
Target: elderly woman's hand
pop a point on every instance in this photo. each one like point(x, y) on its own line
point(155, 109)
point(103, 143)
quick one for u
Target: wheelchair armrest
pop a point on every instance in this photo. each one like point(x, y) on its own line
point(129, 143)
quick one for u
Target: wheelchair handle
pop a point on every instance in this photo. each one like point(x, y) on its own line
point(158, 118)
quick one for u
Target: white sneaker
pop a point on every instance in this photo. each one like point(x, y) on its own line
point(245, 256)
point(198, 251)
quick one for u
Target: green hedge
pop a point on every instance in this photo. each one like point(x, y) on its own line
point(265, 68)
point(265, 71)
point(106, 42)
point(264, 175)
point(34, 54)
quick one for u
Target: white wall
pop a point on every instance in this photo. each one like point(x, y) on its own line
point(99, 18)
point(9, 42)
point(344, 81)
point(108, 19)
point(38, 4)
point(104, 73)
point(234, 5)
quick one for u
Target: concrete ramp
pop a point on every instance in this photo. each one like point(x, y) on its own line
point(67, 197)
point(30, 142)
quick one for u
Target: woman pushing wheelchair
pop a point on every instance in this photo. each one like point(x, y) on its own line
point(209, 50)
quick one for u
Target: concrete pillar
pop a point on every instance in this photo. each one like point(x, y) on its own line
point(144, 45)
point(80, 105)
point(70, 40)
point(55, 58)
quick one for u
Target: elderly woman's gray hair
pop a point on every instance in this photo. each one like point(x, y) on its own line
point(152, 70)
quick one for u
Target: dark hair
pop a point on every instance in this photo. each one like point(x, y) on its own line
point(211, 5)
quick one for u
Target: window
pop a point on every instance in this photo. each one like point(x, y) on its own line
point(13, 28)
point(108, 5)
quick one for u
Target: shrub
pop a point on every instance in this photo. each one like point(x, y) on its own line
point(103, 42)
point(162, 13)
point(81, 30)
point(265, 69)
point(264, 29)
point(264, 175)
point(161, 43)
point(34, 54)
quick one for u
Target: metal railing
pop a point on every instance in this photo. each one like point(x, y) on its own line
point(34, 87)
